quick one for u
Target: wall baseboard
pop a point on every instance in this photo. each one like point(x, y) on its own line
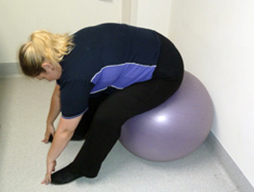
point(229, 165)
point(9, 69)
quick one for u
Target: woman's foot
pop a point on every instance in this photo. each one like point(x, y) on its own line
point(64, 176)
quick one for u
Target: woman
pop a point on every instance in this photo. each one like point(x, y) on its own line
point(105, 75)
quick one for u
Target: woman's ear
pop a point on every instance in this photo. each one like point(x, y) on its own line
point(47, 66)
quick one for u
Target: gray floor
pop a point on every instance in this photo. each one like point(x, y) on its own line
point(24, 104)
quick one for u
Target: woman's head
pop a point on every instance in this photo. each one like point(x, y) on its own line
point(42, 47)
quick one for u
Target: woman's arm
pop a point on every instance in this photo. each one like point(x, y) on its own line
point(54, 111)
point(62, 136)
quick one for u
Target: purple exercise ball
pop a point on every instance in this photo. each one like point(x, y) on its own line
point(175, 128)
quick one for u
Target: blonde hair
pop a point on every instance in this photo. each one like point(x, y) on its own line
point(44, 46)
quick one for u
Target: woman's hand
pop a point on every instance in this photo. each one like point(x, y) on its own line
point(62, 136)
point(50, 168)
point(54, 111)
point(50, 130)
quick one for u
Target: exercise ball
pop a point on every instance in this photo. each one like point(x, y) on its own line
point(175, 128)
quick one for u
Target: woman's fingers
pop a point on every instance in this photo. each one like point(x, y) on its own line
point(50, 131)
point(47, 179)
point(46, 137)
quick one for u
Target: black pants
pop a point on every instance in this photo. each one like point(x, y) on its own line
point(107, 113)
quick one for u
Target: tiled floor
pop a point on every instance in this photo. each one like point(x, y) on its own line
point(24, 105)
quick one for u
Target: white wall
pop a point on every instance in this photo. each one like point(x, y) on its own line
point(151, 14)
point(19, 18)
point(216, 39)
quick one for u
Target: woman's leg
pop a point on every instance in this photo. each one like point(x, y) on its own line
point(82, 129)
point(105, 128)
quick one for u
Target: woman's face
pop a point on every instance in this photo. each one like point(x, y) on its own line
point(50, 74)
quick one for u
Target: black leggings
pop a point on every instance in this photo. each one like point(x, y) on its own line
point(107, 113)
